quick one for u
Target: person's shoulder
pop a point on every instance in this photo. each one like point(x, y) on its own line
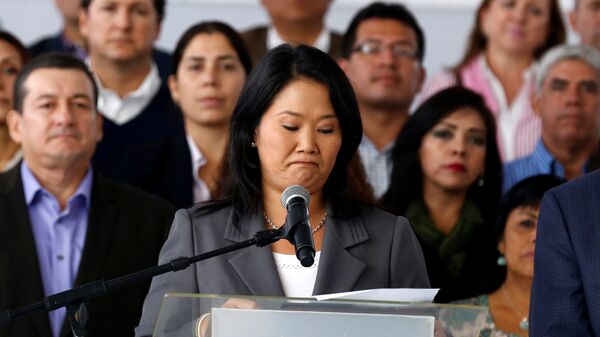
point(254, 32)
point(586, 187)
point(211, 208)
point(46, 44)
point(9, 178)
point(163, 61)
point(379, 218)
point(517, 164)
point(517, 170)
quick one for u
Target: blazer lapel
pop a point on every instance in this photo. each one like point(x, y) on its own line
point(101, 224)
point(179, 170)
point(255, 266)
point(20, 246)
point(338, 269)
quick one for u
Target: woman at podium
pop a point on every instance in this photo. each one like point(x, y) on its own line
point(296, 123)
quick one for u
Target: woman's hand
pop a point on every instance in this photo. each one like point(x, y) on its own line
point(232, 303)
point(237, 303)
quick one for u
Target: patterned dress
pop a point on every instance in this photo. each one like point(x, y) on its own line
point(489, 328)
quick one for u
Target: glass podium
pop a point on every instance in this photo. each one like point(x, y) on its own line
point(202, 315)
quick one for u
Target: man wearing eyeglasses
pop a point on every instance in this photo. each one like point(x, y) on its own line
point(383, 51)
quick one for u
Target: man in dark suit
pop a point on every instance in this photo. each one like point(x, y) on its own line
point(293, 22)
point(63, 224)
point(565, 297)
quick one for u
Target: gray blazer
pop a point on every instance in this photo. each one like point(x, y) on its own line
point(374, 250)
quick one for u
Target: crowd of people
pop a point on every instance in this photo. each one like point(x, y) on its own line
point(413, 182)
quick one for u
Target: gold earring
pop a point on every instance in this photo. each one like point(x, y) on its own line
point(253, 144)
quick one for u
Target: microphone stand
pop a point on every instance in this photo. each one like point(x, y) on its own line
point(76, 300)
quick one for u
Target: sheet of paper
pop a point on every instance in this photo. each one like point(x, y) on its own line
point(387, 294)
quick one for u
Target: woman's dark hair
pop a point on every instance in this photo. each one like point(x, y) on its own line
point(477, 42)
point(279, 67)
point(213, 27)
point(13, 41)
point(526, 193)
point(407, 175)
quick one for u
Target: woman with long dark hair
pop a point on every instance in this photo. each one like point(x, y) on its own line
point(210, 65)
point(295, 123)
point(446, 180)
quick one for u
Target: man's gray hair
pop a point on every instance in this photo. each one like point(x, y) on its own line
point(563, 52)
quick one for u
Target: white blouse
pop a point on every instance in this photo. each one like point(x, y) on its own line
point(296, 280)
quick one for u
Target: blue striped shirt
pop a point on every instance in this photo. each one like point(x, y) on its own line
point(541, 161)
point(378, 165)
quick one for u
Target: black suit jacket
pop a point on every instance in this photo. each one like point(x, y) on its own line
point(163, 168)
point(126, 230)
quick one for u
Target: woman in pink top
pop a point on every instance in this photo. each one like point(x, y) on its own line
point(499, 63)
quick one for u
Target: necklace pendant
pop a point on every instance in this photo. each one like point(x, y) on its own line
point(524, 324)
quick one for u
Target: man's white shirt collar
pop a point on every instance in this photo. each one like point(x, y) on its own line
point(201, 190)
point(323, 40)
point(122, 110)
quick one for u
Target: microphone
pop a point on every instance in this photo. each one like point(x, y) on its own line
point(295, 199)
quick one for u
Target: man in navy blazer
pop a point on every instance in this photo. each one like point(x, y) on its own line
point(565, 297)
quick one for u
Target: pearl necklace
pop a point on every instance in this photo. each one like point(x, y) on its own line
point(272, 226)
point(524, 323)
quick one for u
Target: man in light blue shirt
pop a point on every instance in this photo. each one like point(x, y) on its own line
point(62, 224)
point(567, 99)
point(59, 234)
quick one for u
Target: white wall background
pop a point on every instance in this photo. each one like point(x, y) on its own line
point(445, 22)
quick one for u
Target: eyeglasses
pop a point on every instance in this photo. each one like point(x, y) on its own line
point(371, 48)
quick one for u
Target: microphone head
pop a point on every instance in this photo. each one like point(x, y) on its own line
point(294, 191)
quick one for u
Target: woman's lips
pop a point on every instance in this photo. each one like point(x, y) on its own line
point(456, 167)
point(211, 101)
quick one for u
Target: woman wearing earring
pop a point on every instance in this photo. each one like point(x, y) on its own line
point(296, 123)
point(499, 63)
point(446, 180)
point(516, 232)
